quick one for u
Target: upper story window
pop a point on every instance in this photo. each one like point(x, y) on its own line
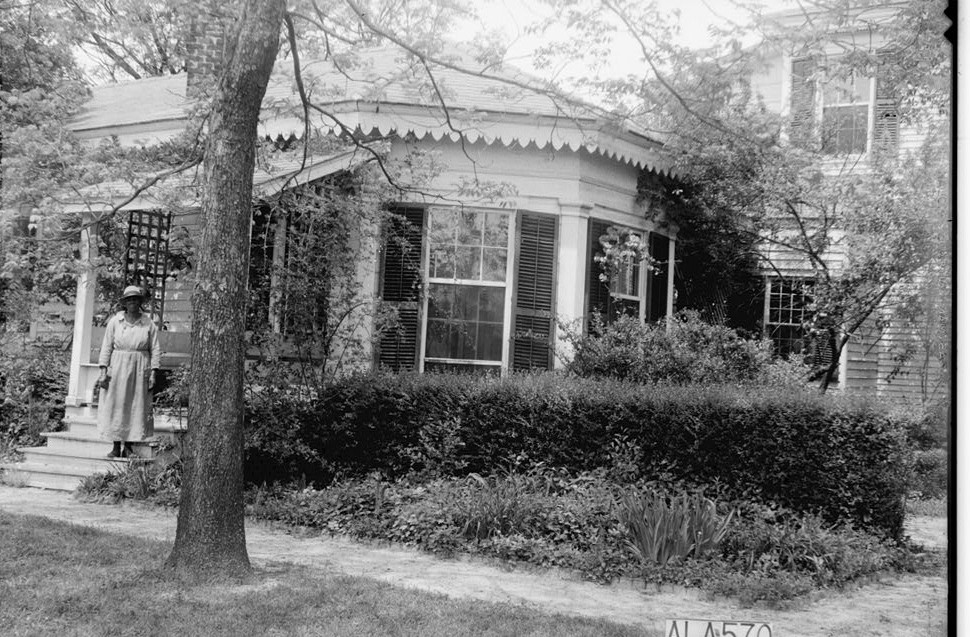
point(845, 115)
point(848, 114)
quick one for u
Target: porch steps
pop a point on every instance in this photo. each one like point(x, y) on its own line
point(72, 455)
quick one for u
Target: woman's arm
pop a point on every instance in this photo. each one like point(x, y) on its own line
point(156, 353)
point(107, 346)
point(155, 346)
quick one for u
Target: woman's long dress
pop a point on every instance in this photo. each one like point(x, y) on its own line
point(129, 351)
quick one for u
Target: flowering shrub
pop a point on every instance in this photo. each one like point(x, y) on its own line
point(682, 349)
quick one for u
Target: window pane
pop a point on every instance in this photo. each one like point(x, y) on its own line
point(491, 304)
point(466, 302)
point(494, 265)
point(626, 280)
point(850, 90)
point(465, 322)
point(472, 240)
point(468, 263)
point(489, 342)
point(470, 228)
point(845, 129)
point(441, 223)
point(442, 263)
point(441, 301)
point(496, 229)
point(440, 339)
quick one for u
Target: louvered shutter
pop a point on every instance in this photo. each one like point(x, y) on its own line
point(533, 327)
point(401, 287)
point(802, 101)
point(885, 126)
point(598, 299)
point(821, 355)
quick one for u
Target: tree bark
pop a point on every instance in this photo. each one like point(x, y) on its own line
point(210, 537)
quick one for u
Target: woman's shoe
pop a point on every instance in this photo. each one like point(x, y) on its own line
point(127, 452)
point(115, 451)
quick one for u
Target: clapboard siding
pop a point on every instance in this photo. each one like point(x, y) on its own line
point(917, 379)
point(862, 358)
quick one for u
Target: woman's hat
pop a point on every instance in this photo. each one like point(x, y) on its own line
point(132, 290)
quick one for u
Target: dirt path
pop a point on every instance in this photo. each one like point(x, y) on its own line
point(905, 605)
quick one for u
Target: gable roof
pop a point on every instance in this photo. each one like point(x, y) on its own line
point(382, 91)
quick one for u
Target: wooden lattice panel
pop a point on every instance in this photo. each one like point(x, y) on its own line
point(146, 256)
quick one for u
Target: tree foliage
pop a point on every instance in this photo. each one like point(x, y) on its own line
point(872, 232)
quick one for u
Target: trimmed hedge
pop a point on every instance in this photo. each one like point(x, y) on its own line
point(840, 458)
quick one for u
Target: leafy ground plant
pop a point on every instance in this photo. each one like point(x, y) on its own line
point(663, 527)
point(548, 518)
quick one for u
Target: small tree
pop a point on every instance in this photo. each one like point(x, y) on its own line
point(753, 195)
point(210, 536)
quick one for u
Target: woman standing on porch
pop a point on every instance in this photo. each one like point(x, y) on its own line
point(130, 354)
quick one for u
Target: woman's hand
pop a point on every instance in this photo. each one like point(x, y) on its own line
point(151, 379)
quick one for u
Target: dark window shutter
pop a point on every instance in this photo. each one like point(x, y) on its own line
point(598, 299)
point(533, 327)
point(660, 251)
point(802, 101)
point(885, 127)
point(401, 288)
point(821, 354)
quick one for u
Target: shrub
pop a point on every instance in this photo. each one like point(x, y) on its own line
point(156, 482)
point(277, 428)
point(769, 540)
point(33, 384)
point(930, 473)
point(839, 457)
point(927, 433)
point(682, 350)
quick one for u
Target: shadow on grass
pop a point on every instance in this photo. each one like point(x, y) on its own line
point(62, 579)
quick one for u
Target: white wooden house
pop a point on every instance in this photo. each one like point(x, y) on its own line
point(849, 119)
point(513, 267)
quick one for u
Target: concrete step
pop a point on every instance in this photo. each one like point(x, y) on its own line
point(79, 452)
point(68, 462)
point(85, 446)
point(25, 474)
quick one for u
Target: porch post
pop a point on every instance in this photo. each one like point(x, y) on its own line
point(671, 261)
point(87, 283)
point(571, 270)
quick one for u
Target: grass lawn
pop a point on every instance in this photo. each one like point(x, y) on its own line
point(931, 507)
point(62, 579)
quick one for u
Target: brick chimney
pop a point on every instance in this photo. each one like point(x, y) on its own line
point(210, 22)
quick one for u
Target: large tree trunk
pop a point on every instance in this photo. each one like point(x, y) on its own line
point(210, 537)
